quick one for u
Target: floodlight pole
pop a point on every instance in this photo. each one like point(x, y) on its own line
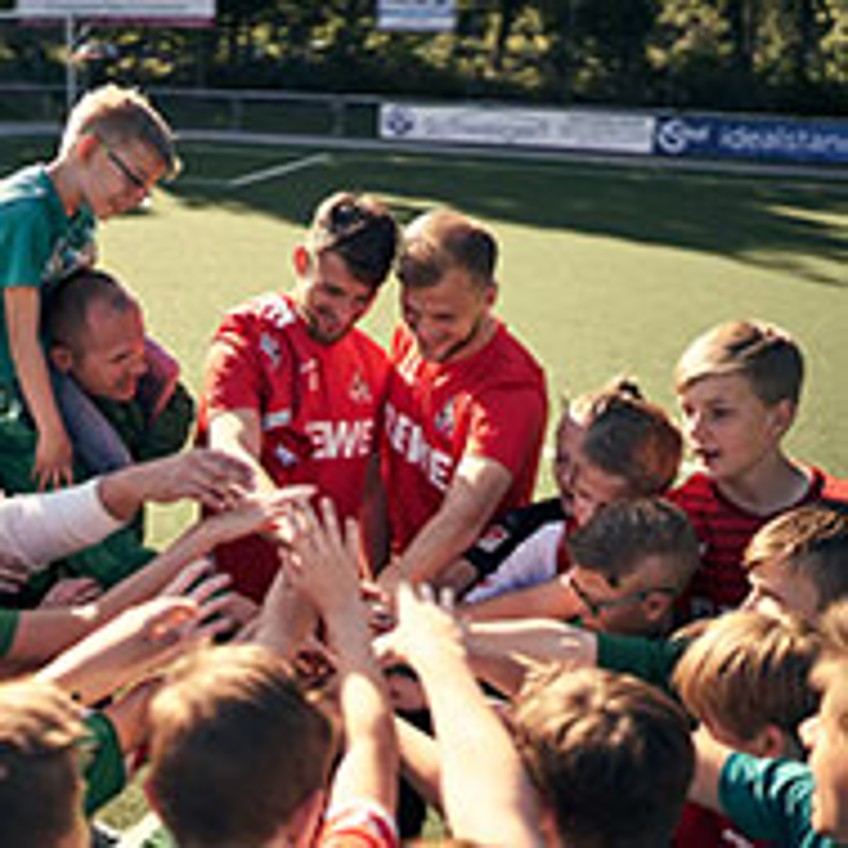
point(70, 66)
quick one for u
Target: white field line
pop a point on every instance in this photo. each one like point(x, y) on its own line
point(278, 170)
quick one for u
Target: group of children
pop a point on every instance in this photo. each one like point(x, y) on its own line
point(577, 611)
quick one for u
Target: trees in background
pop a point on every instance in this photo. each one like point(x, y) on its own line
point(779, 55)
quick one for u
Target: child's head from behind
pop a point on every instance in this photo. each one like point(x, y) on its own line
point(799, 562)
point(629, 564)
point(627, 448)
point(238, 754)
point(40, 785)
point(826, 733)
point(610, 756)
point(739, 386)
point(123, 146)
point(746, 678)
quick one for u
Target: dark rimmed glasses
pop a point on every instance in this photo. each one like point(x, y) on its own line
point(138, 182)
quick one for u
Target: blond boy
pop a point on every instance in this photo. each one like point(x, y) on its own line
point(114, 150)
point(739, 385)
point(786, 802)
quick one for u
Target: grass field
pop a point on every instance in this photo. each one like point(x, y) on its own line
point(603, 269)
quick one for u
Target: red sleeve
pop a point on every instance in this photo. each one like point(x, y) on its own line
point(358, 824)
point(234, 372)
point(507, 425)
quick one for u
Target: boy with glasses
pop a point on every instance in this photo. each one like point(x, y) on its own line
point(114, 150)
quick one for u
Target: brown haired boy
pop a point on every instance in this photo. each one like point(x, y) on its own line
point(786, 802)
point(610, 756)
point(739, 386)
point(745, 678)
point(40, 784)
point(114, 150)
point(292, 386)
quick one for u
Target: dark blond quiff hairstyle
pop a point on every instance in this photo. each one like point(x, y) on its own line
point(767, 356)
point(746, 670)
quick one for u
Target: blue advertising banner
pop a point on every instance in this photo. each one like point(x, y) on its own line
point(767, 139)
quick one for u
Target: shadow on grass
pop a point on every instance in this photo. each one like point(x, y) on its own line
point(766, 222)
point(796, 226)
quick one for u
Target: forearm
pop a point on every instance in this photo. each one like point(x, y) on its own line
point(192, 544)
point(40, 528)
point(42, 633)
point(369, 768)
point(475, 750)
point(34, 379)
point(439, 543)
point(419, 761)
point(552, 599)
point(533, 640)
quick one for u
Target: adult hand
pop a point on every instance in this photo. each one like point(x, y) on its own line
point(214, 478)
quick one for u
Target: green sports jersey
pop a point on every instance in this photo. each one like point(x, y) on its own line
point(39, 242)
point(104, 770)
point(770, 799)
point(651, 660)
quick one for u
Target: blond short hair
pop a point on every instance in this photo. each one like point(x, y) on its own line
point(747, 670)
point(809, 540)
point(117, 114)
point(767, 356)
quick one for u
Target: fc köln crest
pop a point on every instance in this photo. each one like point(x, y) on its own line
point(446, 419)
point(359, 391)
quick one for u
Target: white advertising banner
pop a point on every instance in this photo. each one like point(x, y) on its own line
point(416, 15)
point(137, 10)
point(566, 129)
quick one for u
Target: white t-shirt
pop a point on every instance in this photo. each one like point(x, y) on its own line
point(534, 561)
point(39, 528)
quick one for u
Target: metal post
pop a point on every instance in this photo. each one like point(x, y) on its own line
point(70, 68)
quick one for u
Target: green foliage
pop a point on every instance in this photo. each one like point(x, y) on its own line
point(780, 55)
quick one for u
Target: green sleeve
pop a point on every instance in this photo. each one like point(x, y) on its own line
point(770, 799)
point(112, 560)
point(25, 244)
point(146, 437)
point(8, 628)
point(105, 774)
point(652, 660)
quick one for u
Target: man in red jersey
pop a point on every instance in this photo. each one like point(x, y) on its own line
point(292, 387)
point(466, 411)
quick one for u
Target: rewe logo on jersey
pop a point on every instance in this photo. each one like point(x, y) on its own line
point(407, 439)
point(341, 439)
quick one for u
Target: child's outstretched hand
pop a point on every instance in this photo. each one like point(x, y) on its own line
point(427, 627)
point(324, 561)
point(54, 458)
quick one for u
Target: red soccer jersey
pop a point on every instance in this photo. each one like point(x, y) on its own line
point(320, 408)
point(703, 828)
point(724, 530)
point(492, 404)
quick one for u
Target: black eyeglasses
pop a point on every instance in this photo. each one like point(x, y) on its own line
point(596, 607)
point(131, 176)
